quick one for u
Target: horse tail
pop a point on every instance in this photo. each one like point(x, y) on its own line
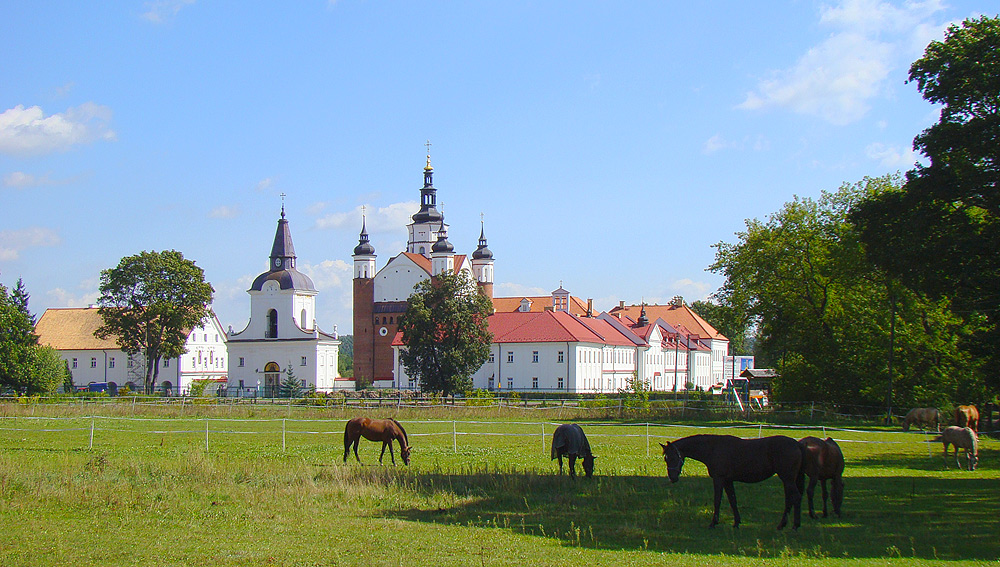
point(406, 439)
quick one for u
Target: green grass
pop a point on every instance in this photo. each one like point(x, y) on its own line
point(148, 493)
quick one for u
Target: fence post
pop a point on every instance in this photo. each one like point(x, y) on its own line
point(283, 436)
point(812, 406)
point(206, 435)
point(91, 446)
point(454, 437)
point(647, 439)
point(543, 438)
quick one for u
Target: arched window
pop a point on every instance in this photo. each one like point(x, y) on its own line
point(272, 324)
point(302, 320)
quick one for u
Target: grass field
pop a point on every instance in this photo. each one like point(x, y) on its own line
point(259, 486)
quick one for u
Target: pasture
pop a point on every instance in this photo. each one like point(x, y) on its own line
point(260, 486)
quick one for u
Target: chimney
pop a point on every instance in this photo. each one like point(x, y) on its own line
point(621, 304)
point(590, 307)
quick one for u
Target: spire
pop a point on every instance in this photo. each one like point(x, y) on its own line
point(482, 252)
point(364, 247)
point(428, 195)
point(442, 244)
point(643, 320)
point(282, 251)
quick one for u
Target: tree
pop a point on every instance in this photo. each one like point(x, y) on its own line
point(345, 357)
point(150, 302)
point(727, 321)
point(446, 333)
point(824, 314)
point(941, 232)
point(25, 366)
point(290, 386)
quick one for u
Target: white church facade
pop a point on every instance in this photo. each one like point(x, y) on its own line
point(282, 338)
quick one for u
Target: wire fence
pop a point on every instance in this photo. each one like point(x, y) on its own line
point(226, 434)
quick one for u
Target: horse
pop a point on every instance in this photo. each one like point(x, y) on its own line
point(570, 440)
point(732, 459)
point(824, 461)
point(967, 416)
point(922, 417)
point(960, 437)
point(384, 430)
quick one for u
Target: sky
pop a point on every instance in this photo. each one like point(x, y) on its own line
point(605, 146)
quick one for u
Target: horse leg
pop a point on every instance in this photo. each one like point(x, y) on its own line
point(572, 466)
point(559, 456)
point(810, 491)
point(347, 448)
point(731, 496)
point(383, 452)
point(356, 441)
point(822, 485)
point(837, 494)
point(391, 455)
point(717, 499)
point(793, 499)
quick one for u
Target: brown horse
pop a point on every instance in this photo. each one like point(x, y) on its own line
point(732, 459)
point(384, 430)
point(922, 417)
point(967, 416)
point(824, 461)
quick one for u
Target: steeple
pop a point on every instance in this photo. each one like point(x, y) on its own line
point(364, 254)
point(482, 263)
point(442, 253)
point(482, 252)
point(364, 247)
point(643, 320)
point(428, 195)
point(282, 251)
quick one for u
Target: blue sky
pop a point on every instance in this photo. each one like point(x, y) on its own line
point(608, 145)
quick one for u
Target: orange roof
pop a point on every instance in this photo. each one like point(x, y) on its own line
point(675, 316)
point(425, 263)
point(72, 329)
point(540, 303)
point(549, 327)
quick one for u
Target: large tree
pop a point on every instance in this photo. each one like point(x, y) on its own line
point(446, 333)
point(150, 302)
point(940, 234)
point(25, 366)
point(827, 319)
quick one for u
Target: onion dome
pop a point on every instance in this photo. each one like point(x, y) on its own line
point(482, 252)
point(364, 247)
point(428, 198)
point(282, 262)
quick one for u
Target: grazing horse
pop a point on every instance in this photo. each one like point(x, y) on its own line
point(732, 459)
point(964, 438)
point(570, 440)
point(384, 430)
point(967, 416)
point(922, 417)
point(824, 461)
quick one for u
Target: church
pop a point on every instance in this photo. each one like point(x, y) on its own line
point(380, 295)
point(282, 336)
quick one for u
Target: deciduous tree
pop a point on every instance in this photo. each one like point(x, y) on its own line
point(446, 333)
point(150, 302)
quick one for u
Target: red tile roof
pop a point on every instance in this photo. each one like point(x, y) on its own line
point(539, 304)
point(680, 317)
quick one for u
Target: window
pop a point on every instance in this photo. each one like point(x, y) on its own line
point(510, 356)
point(130, 363)
point(559, 383)
point(510, 383)
point(534, 382)
point(303, 363)
point(489, 383)
point(534, 356)
point(166, 363)
point(93, 362)
point(74, 363)
point(272, 325)
point(492, 358)
point(559, 357)
point(205, 336)
point(111, 362)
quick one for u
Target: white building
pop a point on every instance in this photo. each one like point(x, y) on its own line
point(71, 332)
point(282, 333)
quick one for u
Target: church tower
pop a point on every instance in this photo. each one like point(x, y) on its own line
point(482, 264)
point(442, 254)
point(428, 222)
point(364, 303)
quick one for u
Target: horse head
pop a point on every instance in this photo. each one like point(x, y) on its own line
point(675, 461)
point(588, 465)
point(405, 453)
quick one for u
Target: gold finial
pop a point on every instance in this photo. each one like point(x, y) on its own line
point(428, 166)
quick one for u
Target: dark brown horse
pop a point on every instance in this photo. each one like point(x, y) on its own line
point(732, 459)
point(384, 430)
point(824, 461)
point(967, 416)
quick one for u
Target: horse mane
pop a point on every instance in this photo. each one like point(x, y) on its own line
point(405, 438)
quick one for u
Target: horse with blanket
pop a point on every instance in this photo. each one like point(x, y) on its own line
point(570, 440)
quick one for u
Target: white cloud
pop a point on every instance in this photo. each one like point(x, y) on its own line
point(317, 207)
point(27, 131)
point(265, 184)
point(381, 219)
point(837, 79)
point(62, 298)
point(329, 274)
point(21, 180)
point(160, 11)
point(690, 290)
point(892, 156)
point(12, 242)
point(224, 212)
point(510, 289)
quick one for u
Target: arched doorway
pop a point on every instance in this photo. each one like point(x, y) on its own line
point(272, 379)
point(168, 388)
